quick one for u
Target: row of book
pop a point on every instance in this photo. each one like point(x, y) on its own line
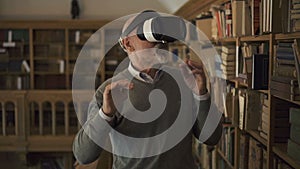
point(226, 144)
point(251, 17)
point(19, 35)
point(254, 114)
point(46, 36)
point(253, 65)
point(252, 154)
point(294, 140)
point(18, 82)
point(284, 82)
point(264, 126)
point(294, 16)
point(49, 50)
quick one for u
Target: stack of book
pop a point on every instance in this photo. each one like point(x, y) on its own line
point(228, 62)
point(264, 127)
point(294, 141)
point(295, 15)
point(222, 20)
point(284, 82)
point(285, 60)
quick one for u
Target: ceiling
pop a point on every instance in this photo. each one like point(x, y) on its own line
point(90, 9)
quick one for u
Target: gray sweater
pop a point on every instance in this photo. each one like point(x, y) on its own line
point(180, 156)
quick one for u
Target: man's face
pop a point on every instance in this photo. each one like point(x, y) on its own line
point(141, 53)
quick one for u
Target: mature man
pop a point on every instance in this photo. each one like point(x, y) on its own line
point(132, 88)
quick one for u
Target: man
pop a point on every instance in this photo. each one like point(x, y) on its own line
point(132, 88)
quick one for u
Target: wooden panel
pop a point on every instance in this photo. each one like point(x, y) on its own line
point(54, 24)
point(192, 8)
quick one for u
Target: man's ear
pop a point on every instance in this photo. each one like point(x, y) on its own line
point(128, 45)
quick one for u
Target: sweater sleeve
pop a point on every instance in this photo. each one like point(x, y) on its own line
point(94, 130)
point(202, 119)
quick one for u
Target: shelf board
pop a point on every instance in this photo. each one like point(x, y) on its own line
point(295, 102)
point(14, 73)
point(50, 58)
point(255, 134)
point(285, 36)
point(225, 158)
point(49, 43)
point(264, 91)
point(255, 38)
point(48, 73)
point(281, 151)
point(227, 40)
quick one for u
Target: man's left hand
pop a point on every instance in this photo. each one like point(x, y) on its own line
point(194, 75)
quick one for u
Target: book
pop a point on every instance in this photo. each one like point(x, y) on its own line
point(237, 18)
point(293, 150)
point(244, 151)
point(255, 154)
point(297, 58)
point(285, 87)
point(294, 116)
point(285, 95)
point(228, 49)
point(260, 72)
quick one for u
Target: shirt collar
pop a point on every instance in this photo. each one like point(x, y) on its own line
point(140, 75)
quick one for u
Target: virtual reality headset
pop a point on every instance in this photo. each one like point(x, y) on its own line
point(153, 27)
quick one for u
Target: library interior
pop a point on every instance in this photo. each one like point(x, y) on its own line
point(44, 70)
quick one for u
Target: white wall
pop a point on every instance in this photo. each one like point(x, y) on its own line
point(60, 9)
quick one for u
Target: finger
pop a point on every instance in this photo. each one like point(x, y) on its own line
point(197, 71)
point(124, 84)
point(186, 72)
point(196, 65)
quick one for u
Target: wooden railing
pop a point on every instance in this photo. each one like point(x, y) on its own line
point(40, 120)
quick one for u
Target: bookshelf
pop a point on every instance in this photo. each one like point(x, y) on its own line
point(37, 60)
point(41, 54)
point(273, 32)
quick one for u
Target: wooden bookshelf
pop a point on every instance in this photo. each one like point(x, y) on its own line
point(281, 151)
point(256, 38)
point(270, 39)
point(255, 134)
point(221, 154)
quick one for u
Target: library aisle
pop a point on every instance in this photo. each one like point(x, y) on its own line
point(258, 45)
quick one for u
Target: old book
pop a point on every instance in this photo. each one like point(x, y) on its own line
point(294, 116)
point(228, 63)
point(242, 105)
point(255, 155)
point(229, 49)
point(285, 62)
point(285, 87)
point(227, 57)
point(204, 25)
point(227, 68)
point(288, 80)
point(295, 133)
point(252, 113)
point(285, 95)
point(293, 150)
point(244, 151)
point(260, 72)
point(237, 18)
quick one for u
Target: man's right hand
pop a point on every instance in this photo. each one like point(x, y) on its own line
point(118, 88)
